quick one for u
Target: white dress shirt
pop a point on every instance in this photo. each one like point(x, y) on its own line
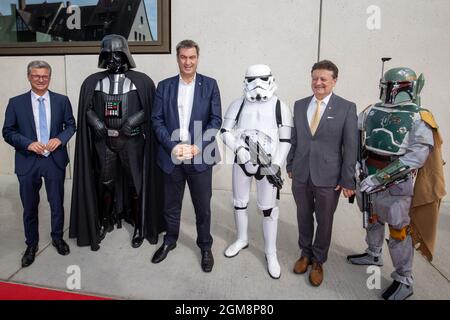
point(185, 102)
point(35, 106)
point(313, 106)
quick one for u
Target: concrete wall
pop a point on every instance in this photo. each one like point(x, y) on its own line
point(285, 35)
point(414, 33)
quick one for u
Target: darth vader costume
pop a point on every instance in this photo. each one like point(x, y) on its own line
point(115, 172)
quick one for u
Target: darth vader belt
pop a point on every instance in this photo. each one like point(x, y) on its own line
point(113, 133)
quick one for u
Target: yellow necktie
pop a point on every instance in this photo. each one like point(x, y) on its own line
point(316, 118)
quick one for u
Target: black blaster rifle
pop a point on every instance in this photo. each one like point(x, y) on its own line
point(259, 155)
point(366, 198)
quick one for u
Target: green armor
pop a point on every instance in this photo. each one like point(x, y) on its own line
point(387, 129)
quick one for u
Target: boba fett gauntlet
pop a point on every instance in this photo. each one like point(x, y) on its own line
point(394, 173)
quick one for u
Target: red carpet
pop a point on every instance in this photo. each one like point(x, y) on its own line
point(13, 291)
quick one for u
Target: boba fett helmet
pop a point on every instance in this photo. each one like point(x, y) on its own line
point(400, 85)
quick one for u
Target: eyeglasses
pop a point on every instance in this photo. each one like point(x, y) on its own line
point(36, 77)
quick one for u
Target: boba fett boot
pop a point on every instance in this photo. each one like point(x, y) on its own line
point(397, 291)
point(365, 259)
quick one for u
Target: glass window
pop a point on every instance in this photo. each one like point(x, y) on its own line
point(34, 26)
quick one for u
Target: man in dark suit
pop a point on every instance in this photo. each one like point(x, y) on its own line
point(38, 124)
point(186, 117)
point(321, 164)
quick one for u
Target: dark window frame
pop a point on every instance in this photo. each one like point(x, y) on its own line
point(161, 45)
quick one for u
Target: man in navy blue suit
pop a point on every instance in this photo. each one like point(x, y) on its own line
point(186, 117)
point(38, 124)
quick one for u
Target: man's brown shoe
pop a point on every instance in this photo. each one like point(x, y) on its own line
point(301, 266)
point(316, 274)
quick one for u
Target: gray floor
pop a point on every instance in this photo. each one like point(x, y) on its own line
point(119, 271)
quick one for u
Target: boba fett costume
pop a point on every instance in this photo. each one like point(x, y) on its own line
point(396, 139)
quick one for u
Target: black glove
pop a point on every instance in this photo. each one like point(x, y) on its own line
point(127, 129)
point(96, 124)
point(100, 130)
point(132, 126)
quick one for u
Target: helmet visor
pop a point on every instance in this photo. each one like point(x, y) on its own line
point(390, 89)
point(263, 82)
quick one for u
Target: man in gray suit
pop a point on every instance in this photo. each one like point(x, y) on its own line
point(321, 164)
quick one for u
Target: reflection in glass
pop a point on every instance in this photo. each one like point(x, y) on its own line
point(77, 20)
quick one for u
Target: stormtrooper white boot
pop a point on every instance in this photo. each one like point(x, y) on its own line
point(241, 219)
point(270, 225)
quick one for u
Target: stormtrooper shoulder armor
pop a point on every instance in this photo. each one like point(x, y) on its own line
point(286, 115)
point(232, 114)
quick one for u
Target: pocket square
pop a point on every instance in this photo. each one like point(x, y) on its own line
point(330, 117)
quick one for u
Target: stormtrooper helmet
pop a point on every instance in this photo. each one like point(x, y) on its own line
point(259, 84)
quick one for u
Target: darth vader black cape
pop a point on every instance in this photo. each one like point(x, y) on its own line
point(84, 219)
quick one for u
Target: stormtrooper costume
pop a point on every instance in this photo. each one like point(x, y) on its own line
point(396, 137)
point(260, 117)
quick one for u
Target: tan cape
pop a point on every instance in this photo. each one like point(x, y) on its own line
point(429, 189)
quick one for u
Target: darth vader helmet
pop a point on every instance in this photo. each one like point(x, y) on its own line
point(115, 54)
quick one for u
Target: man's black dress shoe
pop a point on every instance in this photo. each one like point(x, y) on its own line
point(61, 246)
point(162, 252)
point(28, 256)
point(207, 260)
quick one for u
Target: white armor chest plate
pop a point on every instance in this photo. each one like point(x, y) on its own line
point(258, 120)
